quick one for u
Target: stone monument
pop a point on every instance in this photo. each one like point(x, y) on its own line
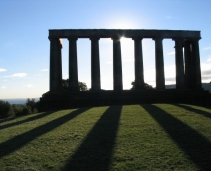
point(188, 72)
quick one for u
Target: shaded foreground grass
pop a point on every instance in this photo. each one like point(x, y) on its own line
point(133, 137)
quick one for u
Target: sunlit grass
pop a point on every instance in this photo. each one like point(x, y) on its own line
point(130, 137)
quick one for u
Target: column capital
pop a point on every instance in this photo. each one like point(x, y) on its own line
point(116, 38)
point(53, 38)
point(195, 39)
point(177, 38)
point(94, 38)
point(137, 38)
point(186, 42)
point(157, 38)
point(72, 38)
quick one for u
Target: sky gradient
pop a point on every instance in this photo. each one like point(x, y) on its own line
point(24, 44)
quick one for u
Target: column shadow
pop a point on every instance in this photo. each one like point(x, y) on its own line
point(19, 141)
point(191, 109)
point(8, 119)
point(197, 147)
point(39, 116)
point(96, 150)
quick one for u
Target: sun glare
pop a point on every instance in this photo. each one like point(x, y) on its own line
point(122, 25)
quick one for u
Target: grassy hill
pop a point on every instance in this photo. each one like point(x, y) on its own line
point(120, 138)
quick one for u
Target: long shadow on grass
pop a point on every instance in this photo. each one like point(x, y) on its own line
point(96, 150)
point(7, 119)
point(191, 109)
point(39, 116)
point(191, 142)
point(19, 141)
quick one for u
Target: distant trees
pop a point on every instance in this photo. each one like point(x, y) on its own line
point(65, 85)
point(81, 85)
point(32, 105)
point(8, 110)
point(146, 86)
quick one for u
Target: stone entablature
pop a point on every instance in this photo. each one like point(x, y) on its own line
point(108, 33)
point(188, 72)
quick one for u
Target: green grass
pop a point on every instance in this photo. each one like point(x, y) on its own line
point(127, 138)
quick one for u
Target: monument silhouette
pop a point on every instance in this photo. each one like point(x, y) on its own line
point(188, 71)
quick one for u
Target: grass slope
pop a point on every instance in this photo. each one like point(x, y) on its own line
point(131, 137)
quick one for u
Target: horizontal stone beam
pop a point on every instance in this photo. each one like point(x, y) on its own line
point(109, 33)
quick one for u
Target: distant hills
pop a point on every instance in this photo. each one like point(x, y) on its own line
point(205, 86)
point(18, 101)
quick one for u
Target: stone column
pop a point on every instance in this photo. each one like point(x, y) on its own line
point(196, 64)
point(159, 64)
point(188, 64)
point(117, 64)
point(55, 65)
point(139, 69)
point(73, 64)
point(180, 83)
point(95, 64)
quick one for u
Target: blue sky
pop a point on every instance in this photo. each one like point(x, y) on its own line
point(24, 44)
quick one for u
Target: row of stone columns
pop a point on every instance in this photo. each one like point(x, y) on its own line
point(186, 77)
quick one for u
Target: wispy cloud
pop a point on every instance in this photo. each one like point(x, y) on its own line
point(2, 70)
point(209, 59)
point(206, 72)
point(30, 86)
point(169, 17)
point(171, 53)
point(20, 75)
point(207, 47)
point(44, 70)
point(206, 79)
point(3, 87)
point(38, 75)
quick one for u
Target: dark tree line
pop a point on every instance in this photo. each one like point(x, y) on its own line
point(10, 110)
point(81, 85)
point(30, 107)
point(146, 86)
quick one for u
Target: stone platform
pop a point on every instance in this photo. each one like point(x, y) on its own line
point(67, 100)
